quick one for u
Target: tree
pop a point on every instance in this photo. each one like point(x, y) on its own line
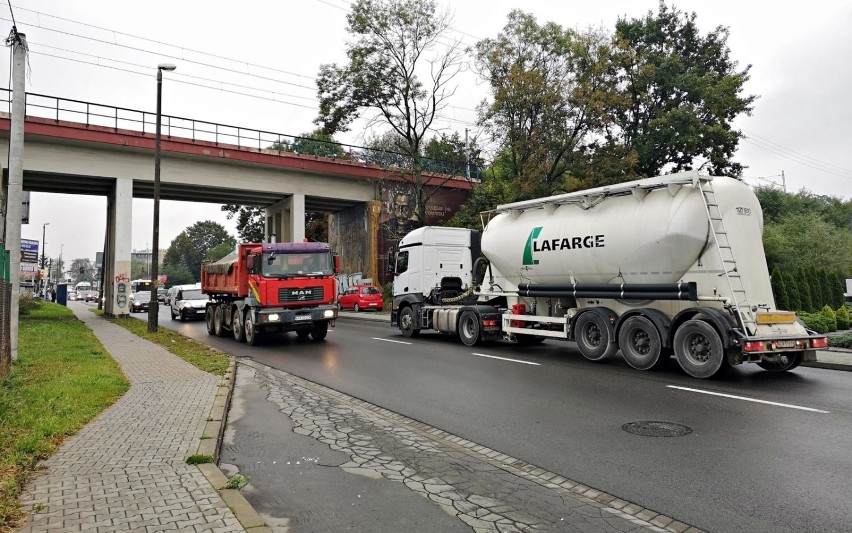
point(81, 269)
point(779, 290)
point(551, 89)
point(400, 69)
point(683, 91)
point(250, 221)
point(218, 252)
point(191, 245)
point(803, 281)
point(316, 226)
point(448, 154)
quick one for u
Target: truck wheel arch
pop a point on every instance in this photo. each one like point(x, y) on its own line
point(714, 316)
point(608, 315)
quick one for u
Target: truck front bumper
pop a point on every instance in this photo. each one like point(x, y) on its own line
point(295, 319)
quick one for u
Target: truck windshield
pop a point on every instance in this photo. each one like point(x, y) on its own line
point(283, 265)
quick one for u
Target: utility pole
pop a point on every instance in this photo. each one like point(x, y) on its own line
point(18, 42)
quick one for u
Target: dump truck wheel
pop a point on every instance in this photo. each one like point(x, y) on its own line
point(320, 331)
point(251, 333)
point(209, 317)
point(219, 321)
point(237, 326)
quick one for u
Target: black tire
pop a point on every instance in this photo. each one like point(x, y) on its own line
point(789, 361)
point(699, 349)
point(250, 332)
point(237, 326)
point(320, 331)
point(406, 323)
point(303, 334)
point(182, 316)
point(357, 307)
point(219, 321)
point(528, 340)
point(640, 343)
point(209, 320)
point(593, 337)
point(469, 329)
point(172, 312)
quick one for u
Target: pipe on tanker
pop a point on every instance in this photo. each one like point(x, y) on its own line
point(609, 287)
point(613, 295)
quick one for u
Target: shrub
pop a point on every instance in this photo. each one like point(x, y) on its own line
point(841, 341)
point(818, 322)
point(829, 312)
point(27, 303)
point(844, 320)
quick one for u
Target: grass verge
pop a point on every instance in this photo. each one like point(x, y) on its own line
point(204, 357)
point(62, 379)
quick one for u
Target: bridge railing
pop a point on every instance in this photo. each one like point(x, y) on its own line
point(92, 114)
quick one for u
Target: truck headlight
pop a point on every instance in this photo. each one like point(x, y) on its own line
point(274, 317)
point(328, 313)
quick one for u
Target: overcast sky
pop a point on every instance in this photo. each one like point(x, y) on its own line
point(253, 64)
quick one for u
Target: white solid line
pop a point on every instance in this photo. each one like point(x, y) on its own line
point(749, 399)
point(389, 340)
point(505, 359)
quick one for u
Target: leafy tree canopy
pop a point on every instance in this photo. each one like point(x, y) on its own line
point(191, 245)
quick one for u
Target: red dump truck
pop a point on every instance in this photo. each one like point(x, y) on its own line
point(271, 287)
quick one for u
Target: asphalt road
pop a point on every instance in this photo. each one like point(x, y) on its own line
point(780, 463)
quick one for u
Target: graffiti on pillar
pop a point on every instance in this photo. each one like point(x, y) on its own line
point(121, 289)
point(398, 212)
point(121, 278)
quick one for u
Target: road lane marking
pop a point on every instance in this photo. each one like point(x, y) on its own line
point(749, 399)
point(389, 340)
point(506, 359)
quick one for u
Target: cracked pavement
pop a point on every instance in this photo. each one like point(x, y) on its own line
point(476, 487)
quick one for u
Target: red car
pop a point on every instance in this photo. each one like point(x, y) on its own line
point(361, 297)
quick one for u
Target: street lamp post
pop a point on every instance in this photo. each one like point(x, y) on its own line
point(153, 305)
point(43, 263)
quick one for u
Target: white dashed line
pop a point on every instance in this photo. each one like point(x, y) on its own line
point(506, 359)
point(389, 340)
point(749, 399)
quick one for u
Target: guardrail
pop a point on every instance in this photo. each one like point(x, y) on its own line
point(92, 114)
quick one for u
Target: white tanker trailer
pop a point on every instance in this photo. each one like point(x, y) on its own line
point(672, 264)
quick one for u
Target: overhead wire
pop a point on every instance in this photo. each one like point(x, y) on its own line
point(798, 159)
point(757, 137)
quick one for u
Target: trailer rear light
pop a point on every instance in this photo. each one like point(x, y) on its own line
point(753, 346)
point(821, 342)
point(489, 323)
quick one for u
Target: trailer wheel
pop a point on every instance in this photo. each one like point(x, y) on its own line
point(320, 331)
point(699, 350)
point(469, 328)
point(237, 326)
point(788, 361)
point(592, 337)
point(219, 321)
point(250, 331)
point(406, 323)
point(209, 318)
point(640, 343)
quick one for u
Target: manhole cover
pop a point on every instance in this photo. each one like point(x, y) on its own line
point(650, 428)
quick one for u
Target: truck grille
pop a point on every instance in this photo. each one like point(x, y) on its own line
point(308, 294)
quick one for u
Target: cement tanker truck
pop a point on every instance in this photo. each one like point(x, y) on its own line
point(655, 267)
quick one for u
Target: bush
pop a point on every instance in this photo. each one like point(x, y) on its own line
point(27, 303)
point(844, 320)
point(829, 312)
point(818, 322)
point(841, 341)
point(387, 295)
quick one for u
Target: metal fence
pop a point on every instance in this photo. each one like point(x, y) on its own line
point(91, 114)
point(5, 311)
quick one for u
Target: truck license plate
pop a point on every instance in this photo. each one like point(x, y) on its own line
point(785, 344)
point(303, 317)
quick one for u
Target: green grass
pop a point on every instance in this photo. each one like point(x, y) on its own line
point(204, 357)
point(62, 379)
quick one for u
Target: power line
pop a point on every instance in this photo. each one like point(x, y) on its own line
point(795, 158)
point(798, 154)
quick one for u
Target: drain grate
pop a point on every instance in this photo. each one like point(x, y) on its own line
point(651, 428)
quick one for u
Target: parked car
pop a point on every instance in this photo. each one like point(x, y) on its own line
point(140, 301)
point(361, 297)
point(188, 302)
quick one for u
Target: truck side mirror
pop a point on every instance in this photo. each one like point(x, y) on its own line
point(250, 264)
point(336, 260)
point(391, 262)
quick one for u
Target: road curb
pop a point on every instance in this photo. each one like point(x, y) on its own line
point(830, 366)
point(214, 431)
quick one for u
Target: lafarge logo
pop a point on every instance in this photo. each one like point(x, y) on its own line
point(534, 244)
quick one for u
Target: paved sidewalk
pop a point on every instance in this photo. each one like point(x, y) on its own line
point(126, 470)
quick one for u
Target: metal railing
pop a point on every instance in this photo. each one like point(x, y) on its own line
point(92, 114)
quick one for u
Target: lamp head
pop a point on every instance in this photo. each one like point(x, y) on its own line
point(166, 66)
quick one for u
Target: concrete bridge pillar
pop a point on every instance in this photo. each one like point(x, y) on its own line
point(286, 219)
point(116, 275)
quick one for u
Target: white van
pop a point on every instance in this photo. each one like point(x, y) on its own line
point(187, 301)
